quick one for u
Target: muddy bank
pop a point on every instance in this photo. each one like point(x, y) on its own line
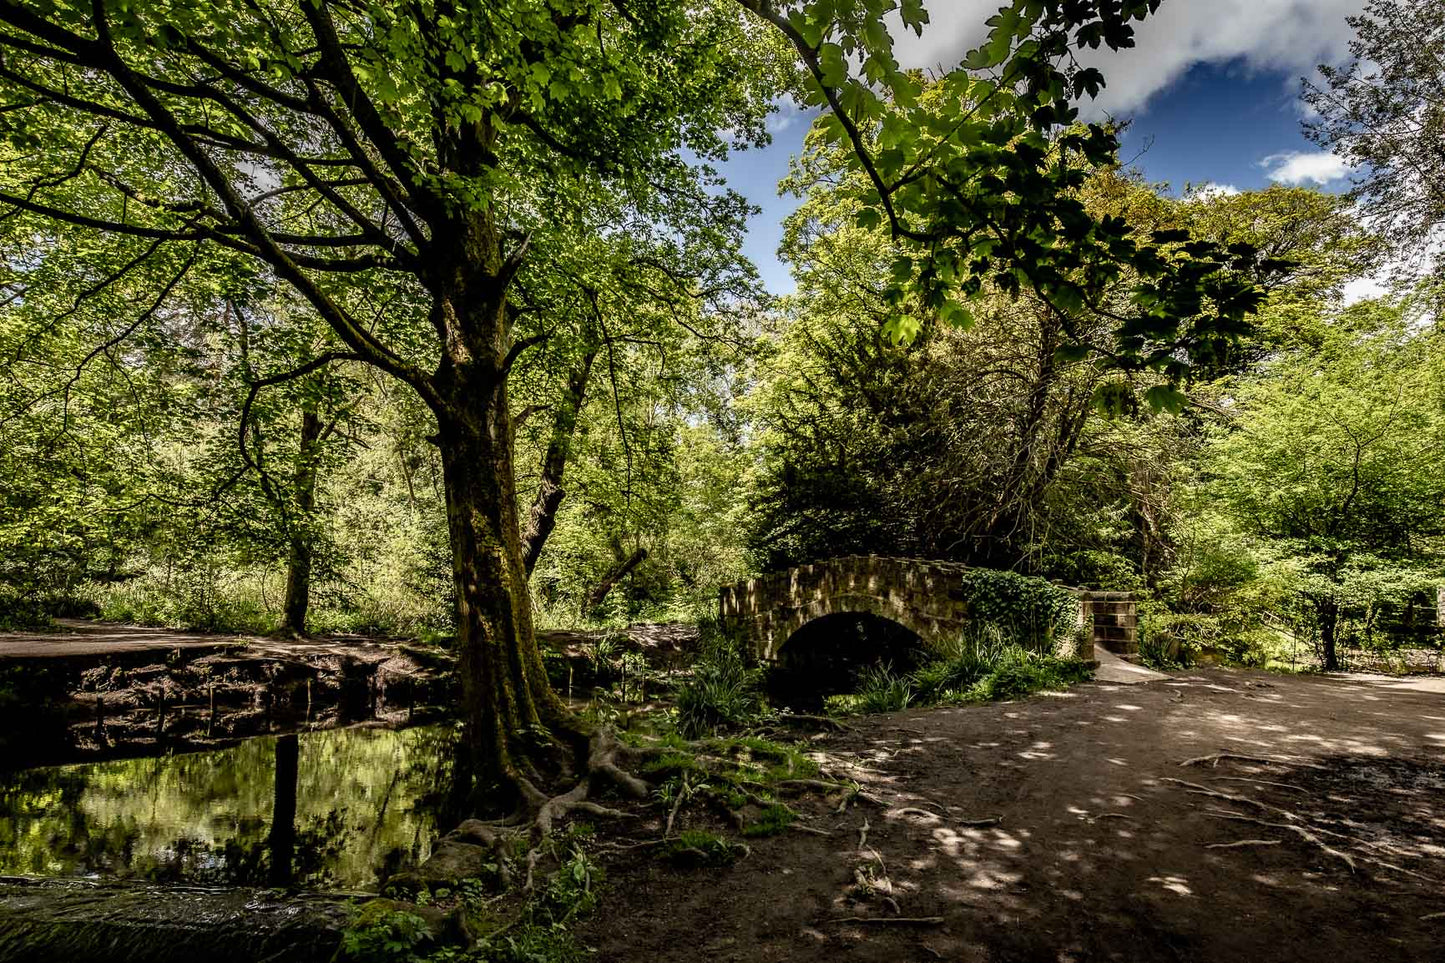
point(99, 691)
point(148, 701)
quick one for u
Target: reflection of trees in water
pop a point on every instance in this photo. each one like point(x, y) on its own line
point(359, 800)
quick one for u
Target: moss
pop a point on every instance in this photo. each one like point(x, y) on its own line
point(771, 821)
point(696, 848)
point(671, 764)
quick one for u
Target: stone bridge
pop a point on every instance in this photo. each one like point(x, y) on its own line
point(928, 598)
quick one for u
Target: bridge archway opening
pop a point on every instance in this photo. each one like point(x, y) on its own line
point(825, 656)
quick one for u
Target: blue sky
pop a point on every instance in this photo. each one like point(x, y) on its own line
point(1212, 93)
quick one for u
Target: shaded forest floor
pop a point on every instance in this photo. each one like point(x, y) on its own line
point(1108, 846)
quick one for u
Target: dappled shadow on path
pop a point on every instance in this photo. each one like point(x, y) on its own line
point(1103, 824)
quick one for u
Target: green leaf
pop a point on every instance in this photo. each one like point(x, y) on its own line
point(1166, 398)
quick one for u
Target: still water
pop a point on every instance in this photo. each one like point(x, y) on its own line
point(333, 810)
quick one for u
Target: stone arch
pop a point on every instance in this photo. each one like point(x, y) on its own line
point(825, 655)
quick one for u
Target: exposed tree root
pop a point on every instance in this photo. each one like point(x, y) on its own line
point(803, 785)
point(809, 829)
point(1299, 831)
point(863, 834)
point(1214, 760)
point(1309, 835)
point(490, 836)
point(1199, 790)
point(979, 823)
point(914, 811)
point(1265, 782)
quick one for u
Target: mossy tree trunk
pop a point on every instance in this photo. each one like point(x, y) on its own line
point(509, 708)
point(299, 561)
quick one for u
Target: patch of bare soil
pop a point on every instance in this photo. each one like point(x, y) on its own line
point(1101, 824)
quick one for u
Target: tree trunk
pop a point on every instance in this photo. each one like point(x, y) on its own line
point(506, 697)
point(543, 517)
point(618, 573)
point(1329, 624)
point(298, 566)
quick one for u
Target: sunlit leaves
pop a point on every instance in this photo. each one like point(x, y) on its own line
point(976, 174)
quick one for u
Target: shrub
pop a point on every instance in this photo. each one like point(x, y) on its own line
point(1033, 612)
point(880, 690)
point(963, 661)
point(1020, 674)
point(723, 691)
point(383, 932)
point(18, 611)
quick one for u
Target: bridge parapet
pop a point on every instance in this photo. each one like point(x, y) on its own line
point(928, 597)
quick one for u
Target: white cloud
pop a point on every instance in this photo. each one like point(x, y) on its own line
point(1289, 35)
point(1298, 167)
point(1205, 192)
point(787, 114)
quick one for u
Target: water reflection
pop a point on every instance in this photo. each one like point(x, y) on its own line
point(325, 810)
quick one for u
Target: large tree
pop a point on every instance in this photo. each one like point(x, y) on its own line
point(1384, 114)
point(1330, 462)
point(402, 166)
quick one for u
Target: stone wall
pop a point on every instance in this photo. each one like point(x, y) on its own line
point(1115, 620)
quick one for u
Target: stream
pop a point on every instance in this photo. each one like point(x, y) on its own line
point(334, 810)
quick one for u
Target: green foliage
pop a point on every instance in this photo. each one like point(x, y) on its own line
point(382, 933)
point(695, 848)
point(1383, 114)
point(881, 690)
point(771, 821)
point(1331, 470)
point(986, 662)
point(1035, 613)
point(723, 691)
point(1020, 674)
point(959, 665)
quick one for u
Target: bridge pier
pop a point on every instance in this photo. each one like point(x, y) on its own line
point(1114, 619)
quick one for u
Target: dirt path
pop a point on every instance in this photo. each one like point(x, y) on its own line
point(78, 637)
point(1098, 856)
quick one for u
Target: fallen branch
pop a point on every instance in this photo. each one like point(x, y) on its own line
point(819, 784)
point(624, 847)
point(1432, 916)
point(913, 811)
point(906, 920)
point(980, 823)
point(1239, 844)
point(825, 721)
point(682, 794)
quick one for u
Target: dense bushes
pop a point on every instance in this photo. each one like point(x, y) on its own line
point(1037, 614)
point(724, 691)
